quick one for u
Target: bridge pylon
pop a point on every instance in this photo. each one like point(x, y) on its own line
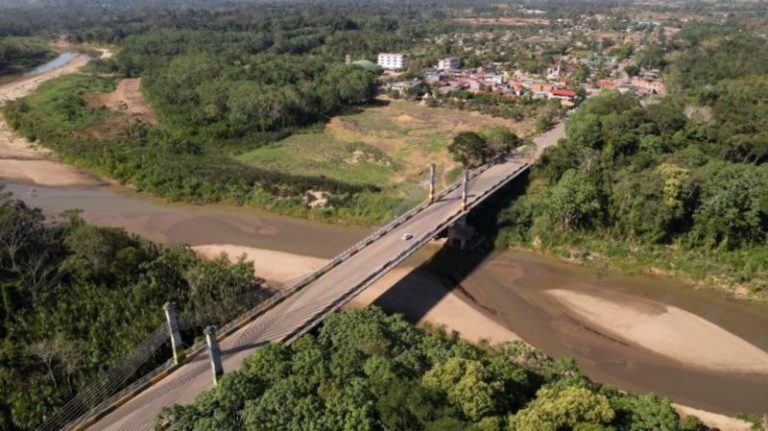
point(214, 353)
point(173, 329)
point(464, 187)
point(431, 182)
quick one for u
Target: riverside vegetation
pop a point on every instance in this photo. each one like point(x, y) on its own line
point(18, 54)
point(680, 184)
point(223, 85)
point(365, 370)
point(361, 370)
point(75, 298)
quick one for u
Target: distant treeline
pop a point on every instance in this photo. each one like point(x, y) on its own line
point(18, 54)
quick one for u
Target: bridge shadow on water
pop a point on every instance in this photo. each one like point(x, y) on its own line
point(418, 292)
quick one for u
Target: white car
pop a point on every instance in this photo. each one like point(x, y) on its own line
point(407, 236)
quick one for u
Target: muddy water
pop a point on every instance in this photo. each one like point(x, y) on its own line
point(168, 223)
point(57, 62)
point(61, 60)
point(513, 287)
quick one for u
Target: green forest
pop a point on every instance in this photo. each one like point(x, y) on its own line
point(218, 94)
point(18, 54)
point(75, 298)
point(365, 370)
point(680, 184)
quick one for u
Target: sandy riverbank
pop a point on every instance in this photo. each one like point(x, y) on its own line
point(413, 290)
point(20, 160)
point(669, 331)
point(713, 420)
point(424, 298)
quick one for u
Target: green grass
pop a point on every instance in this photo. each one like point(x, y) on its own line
point(60, 102)
point(321, 154)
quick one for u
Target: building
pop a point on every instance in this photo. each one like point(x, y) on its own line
point(402, 87)
point(648, 82)
point(450, 63)
point(606, 83)
point(566, 97)
point(393, 61)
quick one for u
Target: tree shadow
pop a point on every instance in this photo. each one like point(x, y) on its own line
point(424, 287)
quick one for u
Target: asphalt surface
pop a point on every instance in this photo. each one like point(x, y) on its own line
point(312, 303)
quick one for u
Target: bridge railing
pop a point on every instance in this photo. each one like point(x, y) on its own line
point(76, 415)
point(415, 245)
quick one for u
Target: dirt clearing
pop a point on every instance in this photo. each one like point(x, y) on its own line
point(127, 102)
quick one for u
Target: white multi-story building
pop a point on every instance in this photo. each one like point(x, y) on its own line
point(450, 63)
point(393, 61)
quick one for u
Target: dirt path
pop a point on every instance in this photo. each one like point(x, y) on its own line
point(21, 160)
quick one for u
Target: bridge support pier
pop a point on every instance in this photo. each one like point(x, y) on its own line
point(173, 329)
point(214, 353)
point(431, 182)
point(460, 234)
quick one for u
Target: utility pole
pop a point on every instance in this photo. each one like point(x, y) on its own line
point(464, 186)
point(173, 329)
point(214, 353)
point(431, 182)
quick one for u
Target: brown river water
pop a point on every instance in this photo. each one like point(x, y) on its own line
point(511, 286)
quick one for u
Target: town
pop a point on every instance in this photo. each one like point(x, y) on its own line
point(575, 58)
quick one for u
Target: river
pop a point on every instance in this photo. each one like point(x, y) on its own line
point(515, 287)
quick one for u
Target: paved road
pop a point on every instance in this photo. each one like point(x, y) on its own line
point(311, 303)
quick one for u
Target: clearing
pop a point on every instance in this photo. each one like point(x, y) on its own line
point(126, 104)
point(389, 145)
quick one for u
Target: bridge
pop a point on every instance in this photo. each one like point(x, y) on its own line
point(298, 311)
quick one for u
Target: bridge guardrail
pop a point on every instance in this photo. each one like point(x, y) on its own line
point(335, 305)
point(123, 396)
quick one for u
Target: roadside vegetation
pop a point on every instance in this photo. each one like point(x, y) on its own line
point(19, 54)
point(364, 370)
point(75, 298)
point(679, 185)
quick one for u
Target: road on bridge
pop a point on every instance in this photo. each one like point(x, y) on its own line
point(313, 302)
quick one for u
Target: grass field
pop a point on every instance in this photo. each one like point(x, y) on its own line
point(389, 145)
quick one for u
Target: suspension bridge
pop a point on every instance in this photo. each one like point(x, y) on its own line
point(283, 316)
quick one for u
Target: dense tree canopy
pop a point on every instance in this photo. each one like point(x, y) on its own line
point(20, 53)
point(364, 370)
point(688, 170)
point(75, 298)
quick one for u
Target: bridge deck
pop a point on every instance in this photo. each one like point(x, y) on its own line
point(307, 307)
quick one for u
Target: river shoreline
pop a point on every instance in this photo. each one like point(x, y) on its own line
point(477, 304)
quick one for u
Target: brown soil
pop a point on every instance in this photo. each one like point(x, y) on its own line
point(127, 102)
